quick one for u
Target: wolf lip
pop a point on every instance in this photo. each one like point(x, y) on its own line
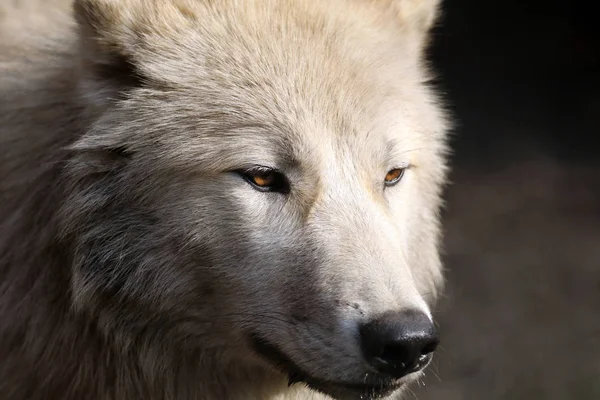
point(336, 389)
point(349, 391)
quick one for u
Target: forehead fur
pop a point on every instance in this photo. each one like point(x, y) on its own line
point(286, 70)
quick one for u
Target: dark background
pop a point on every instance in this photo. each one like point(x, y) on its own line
point(521, 315)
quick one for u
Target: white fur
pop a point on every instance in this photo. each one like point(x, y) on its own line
point(135, 263)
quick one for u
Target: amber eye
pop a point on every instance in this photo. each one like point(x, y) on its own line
point(266, 179)
point(263, 180)
point(394, 176)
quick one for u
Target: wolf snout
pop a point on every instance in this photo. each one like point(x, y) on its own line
point(399, 343)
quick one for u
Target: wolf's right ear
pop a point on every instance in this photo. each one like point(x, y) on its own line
point(107, 71)
point(107, 49)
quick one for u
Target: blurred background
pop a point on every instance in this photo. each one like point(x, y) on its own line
point(521, 315)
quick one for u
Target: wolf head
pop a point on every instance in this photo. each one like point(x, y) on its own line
point(261, 178)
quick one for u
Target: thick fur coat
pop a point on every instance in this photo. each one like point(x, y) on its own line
point(137, 261)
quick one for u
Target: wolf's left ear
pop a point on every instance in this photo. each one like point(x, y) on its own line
point(417, 16)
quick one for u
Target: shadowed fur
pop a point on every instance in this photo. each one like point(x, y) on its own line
point(135, 260)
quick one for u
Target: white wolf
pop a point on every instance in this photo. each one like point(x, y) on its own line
point(209, 199)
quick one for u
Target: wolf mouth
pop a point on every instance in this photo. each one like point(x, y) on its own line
point(340, 390)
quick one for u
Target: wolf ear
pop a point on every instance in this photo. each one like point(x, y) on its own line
point(419, 14)
point(106, 53)
point(107, 71)
point(415, 15)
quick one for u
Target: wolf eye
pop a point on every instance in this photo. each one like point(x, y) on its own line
point(394, 176)
point(266, 179)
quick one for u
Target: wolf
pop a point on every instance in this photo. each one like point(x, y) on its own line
point(233, 199)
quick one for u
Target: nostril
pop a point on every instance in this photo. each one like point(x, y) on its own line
point(430, 347)
point(395, 353)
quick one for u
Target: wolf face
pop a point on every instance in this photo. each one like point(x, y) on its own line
point(261, 179)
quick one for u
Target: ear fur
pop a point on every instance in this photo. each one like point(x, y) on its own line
point(415, 15)
point(106, 54)
point(419, 14)
point(107, 69)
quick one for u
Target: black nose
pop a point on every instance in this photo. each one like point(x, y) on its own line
point(399, 343)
